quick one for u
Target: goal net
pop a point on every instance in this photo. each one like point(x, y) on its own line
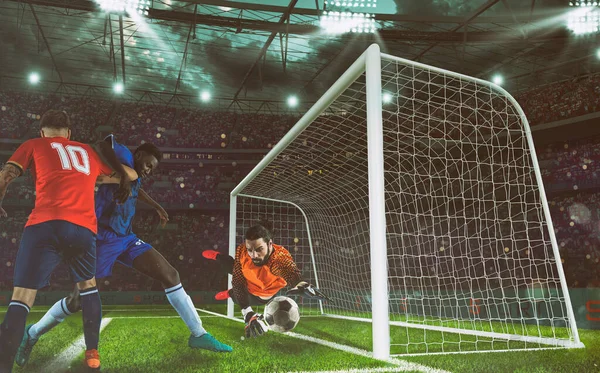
point(413, 197)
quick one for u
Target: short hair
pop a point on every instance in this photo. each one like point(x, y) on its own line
point(55, 119)
point(259, 231)
point(150, 149)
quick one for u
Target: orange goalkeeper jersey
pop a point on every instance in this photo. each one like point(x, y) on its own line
point(266, 280)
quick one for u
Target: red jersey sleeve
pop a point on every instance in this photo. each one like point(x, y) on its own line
point(23, 156)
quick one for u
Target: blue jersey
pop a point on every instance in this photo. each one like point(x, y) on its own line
point(114, 218)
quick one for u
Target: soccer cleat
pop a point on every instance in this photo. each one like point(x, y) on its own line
point(92, 359)
point(208, 342)
point(222, 295)
point(210, 254)
point(25, 348)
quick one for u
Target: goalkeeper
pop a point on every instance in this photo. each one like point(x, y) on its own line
point(260, 269)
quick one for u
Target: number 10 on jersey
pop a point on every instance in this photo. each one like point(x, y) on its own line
point(73, 157)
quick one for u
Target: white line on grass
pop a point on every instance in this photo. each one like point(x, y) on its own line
point(105, 310)
point(150, 317)
point(140, 310)
point(401, 364)
point(217, 314)
point(66, 357)
point(359, 370)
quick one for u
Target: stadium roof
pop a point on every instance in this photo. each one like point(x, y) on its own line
point(184, 47)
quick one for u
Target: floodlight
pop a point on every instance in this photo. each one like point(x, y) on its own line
point(583, 3)
point(130, 7)
point(350, 4)
point(292, 101)
point(338, 23)
point(498, 79)
point(34, 78)
point(205, 96)
point(386, 98)
point(118, 87)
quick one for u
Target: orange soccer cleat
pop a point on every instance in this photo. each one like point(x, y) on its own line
point(92, 359)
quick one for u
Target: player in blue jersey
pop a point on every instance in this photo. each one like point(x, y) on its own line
point(117, 243)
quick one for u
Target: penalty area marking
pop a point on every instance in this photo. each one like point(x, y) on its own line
point(66, 357)
point(402, 365)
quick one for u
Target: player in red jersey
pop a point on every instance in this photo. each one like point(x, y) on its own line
point(61, 227)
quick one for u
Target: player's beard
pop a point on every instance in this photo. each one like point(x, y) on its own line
point(264, 260)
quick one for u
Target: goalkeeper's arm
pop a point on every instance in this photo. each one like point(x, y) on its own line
point(285, 267)
point(255, 325)
point(241, 296)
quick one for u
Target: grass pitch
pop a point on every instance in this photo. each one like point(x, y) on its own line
point(154, 339)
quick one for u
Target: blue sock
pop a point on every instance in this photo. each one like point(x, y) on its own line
point(55, 315)
point(91, 307)
point(11, 333)
point(185, 308)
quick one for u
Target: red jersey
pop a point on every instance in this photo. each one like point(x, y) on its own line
point(64, 173)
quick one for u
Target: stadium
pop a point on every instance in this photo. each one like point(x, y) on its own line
point(428, 169)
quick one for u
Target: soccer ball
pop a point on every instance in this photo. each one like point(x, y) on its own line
point(282, 314)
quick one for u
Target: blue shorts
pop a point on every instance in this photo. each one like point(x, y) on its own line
point(112, 249)
point(43, 246)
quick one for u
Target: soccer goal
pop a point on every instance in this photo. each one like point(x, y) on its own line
point(412, 196)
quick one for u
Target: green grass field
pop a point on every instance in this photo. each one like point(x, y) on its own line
point(154, 339)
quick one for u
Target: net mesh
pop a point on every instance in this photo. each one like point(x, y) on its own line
point(289, 230)
point(468, 243)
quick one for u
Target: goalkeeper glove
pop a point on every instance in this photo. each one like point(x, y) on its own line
point(307, 290)
point(255, 324)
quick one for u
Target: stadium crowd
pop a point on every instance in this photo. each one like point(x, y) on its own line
point(567, 168)
point(178, 127)
point(181, 242)
point(573, 164)
point(138, 123)
point(576, 219)
point(567, 99)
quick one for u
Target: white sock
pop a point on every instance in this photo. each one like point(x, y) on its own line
point(185, 308)
point(55, 315)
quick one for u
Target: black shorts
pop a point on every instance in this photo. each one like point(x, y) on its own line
point(43, 246)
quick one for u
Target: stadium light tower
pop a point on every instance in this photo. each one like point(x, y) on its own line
point(334, 22)
point(130, 7)
point(584, 18)
point(292, 101)
point(34, 78)
point(584, 3)
point(205, 96)
point(351, 3)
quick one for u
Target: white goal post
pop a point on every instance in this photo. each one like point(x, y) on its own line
point(412, 196)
